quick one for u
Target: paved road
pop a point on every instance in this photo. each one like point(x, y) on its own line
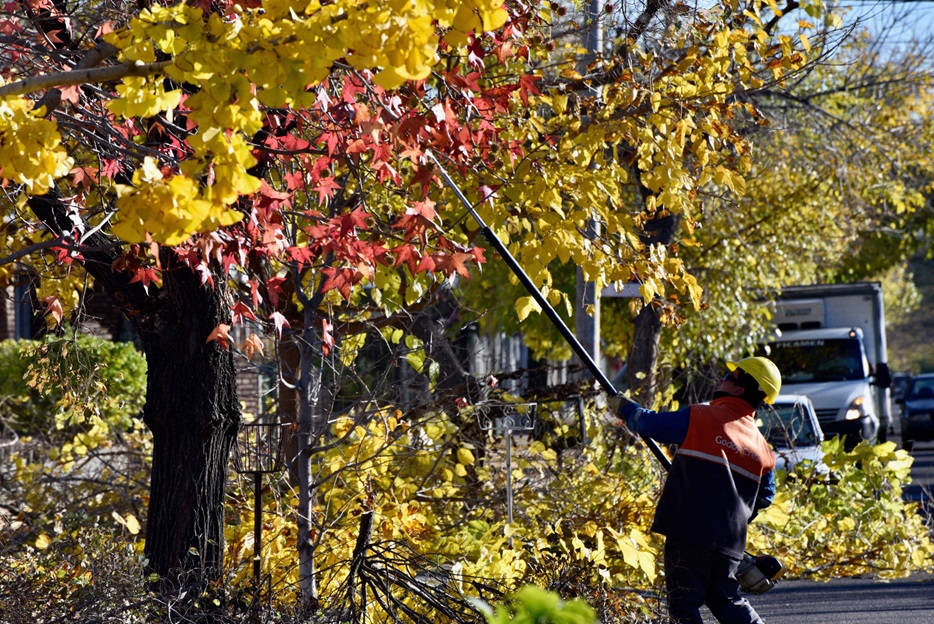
point(860, 600)
point(849, 601)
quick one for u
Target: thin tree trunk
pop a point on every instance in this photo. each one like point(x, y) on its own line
point(643, 358)
point(312, 420)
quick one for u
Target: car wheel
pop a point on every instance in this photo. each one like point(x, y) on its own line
point(908, 445)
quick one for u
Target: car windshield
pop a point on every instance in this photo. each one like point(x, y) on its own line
point(786, 425)
point(824, 359)
point(922, 388)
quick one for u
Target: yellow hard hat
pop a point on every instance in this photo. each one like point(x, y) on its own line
point(764, 371)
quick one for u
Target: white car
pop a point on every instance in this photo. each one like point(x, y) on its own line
point(791, 427)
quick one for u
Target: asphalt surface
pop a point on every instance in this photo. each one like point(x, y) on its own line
point(848, 601)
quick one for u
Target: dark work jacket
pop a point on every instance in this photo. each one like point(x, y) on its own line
point(721, 474)
point(712, 488)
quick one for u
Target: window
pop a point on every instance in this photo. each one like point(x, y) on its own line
point(823, 359)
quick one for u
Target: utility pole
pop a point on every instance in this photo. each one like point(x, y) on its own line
point(587, 327)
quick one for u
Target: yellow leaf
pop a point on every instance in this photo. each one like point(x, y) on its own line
point(464, 456)
point(132, 524)
point(525, 306)
point(647, 564)
point(43, 541)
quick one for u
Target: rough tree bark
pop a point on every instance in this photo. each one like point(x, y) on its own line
point(643, 357)
point(191, 401)
point(193, 413)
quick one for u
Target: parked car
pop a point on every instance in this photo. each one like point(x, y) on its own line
point(917, 413)
point(790, 425)
point(900, 383)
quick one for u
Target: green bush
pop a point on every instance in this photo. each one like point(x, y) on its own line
point(73, 404)
point(54, 384)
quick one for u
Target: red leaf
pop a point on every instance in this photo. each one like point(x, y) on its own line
point(407, 254)
point(425, 208)
point(54, 307)
point(527, 87)
point(111, 168)
point(341, 280)
point(326, 188)
point(321, 165)
point(241, 311)
point(301, 255)
point(221, 335)
point(279, 321)
point(252, 345)
point(146, 275)
point(267, 191)
point(274, 289)
point(455, 262)
point(427, 264)
point(254, 293)
point(354, 219)
point(332, 140)
point(327, 339)
point(294, 181)
point(84, 176)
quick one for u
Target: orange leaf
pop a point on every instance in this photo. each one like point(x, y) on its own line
point(221, 335)
point(252, 345)
point(54, 307)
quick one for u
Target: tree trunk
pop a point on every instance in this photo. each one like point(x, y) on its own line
point(312, 422)
point(191, 400)
point(193, 413)
point(643, 358)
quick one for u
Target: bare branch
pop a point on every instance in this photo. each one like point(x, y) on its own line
point(82, 76)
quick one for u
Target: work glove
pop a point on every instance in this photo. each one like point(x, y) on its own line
point(618, 428)
point(620, 406)
point(618, 400)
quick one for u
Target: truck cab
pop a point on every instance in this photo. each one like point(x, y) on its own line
point(830, 367)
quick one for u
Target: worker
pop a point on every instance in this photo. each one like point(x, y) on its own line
point(720, 477)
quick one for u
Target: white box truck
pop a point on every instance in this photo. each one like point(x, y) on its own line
point(829, 344)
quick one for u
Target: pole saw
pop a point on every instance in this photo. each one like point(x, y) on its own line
point(755, 572)
point(536, 294)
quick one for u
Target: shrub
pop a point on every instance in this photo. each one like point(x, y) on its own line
point(72, 407)
point(853, 521)
point(54, 385)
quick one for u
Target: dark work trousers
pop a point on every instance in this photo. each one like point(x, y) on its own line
point(697, 576)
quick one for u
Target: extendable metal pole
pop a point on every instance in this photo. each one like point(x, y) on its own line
point(550, 312)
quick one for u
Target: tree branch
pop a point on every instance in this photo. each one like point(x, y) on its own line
point(82, 76)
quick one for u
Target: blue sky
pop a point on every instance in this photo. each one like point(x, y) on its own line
point(897, 22)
